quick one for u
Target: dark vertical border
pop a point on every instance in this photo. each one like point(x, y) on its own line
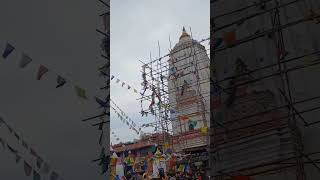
point(211, 155)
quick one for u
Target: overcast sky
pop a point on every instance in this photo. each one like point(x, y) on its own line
point(60, 35)
point(136, 26)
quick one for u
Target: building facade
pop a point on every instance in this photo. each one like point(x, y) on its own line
point(189, 93)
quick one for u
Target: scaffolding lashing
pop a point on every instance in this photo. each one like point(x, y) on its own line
point(175, 87)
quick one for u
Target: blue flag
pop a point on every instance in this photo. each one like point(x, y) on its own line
point(8, 50)
point(217, 42)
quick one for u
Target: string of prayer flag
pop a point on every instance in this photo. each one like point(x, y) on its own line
point(25, 60)
point(41, 164)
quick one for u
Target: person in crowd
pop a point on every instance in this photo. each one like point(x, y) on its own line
point(117, 177)
point(137, 176)
point(199, 177)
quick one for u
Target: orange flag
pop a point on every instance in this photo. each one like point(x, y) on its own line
point(184, 118)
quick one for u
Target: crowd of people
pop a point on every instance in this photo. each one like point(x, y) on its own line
point(163, 176)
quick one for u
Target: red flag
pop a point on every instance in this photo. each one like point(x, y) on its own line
point(42, 70)
point(183, 118)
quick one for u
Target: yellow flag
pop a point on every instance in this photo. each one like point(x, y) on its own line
point(204, 130)
point(166, 145)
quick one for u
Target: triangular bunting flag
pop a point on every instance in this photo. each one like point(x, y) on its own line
point(112, 77)
point(123, 84)
point(41, 71)
point(27, 169)
point(8, 50)
point(134, 90)
point(60, 81)
point(129, 87)
point(118, 80)
point(193, 123)
point(25, 60)
point(80, 92)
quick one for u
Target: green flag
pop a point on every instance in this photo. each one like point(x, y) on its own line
point(81, 92)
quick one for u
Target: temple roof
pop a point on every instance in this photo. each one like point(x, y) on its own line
point(184, 34)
